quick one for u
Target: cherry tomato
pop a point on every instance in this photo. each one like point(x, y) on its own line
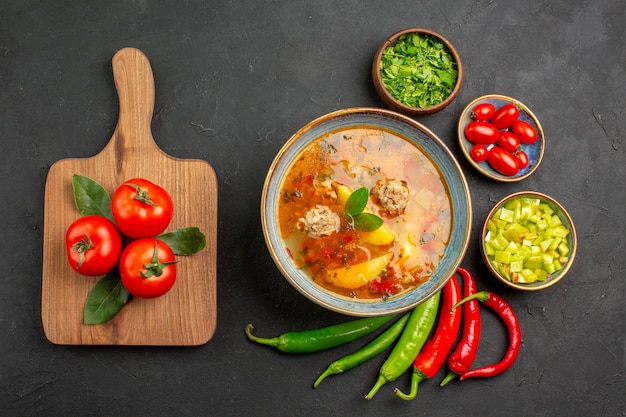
point(503, 161)
point(505, 116)
point(481, 132)
point(148, 268)
point(508, 141)
point(479, 153)
point(522, 159)
point(141, 208)
point(93, 245)
point(524, 131)
point(483, 111)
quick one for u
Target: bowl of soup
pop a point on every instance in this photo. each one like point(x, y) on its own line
point(366, 212)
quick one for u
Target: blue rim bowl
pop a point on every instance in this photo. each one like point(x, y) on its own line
point(428, 143)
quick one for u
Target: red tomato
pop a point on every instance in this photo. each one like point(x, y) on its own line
point(483, 111)
point(524, 131)
point(481, 132)
point(93, 245)
point(502, 161)
point(508, 141)
point(522, 159)
point(141, 208)
point(479, 153)
point(148, 268)
point(505, 116)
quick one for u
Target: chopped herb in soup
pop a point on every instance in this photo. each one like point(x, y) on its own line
point(365, 213)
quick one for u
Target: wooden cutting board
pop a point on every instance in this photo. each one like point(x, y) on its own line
point(185, 316)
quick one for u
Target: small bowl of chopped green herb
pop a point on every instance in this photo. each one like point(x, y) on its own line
point(417, 72)
point(528, 241)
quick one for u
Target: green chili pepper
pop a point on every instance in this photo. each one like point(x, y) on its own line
point(382, 342)
point(319, 339)
point(413, 337)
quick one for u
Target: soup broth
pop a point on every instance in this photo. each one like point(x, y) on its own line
point(404, 189)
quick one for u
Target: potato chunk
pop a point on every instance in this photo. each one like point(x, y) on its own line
point(355, 276)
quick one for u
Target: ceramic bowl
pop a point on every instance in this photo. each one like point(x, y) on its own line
point(417, 135)
point(395, 104)
point(534, 151)
point(571, 241)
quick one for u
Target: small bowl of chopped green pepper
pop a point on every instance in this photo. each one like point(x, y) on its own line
point(417, 72)
point(528, 241)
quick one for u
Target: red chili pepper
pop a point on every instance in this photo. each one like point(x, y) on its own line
point(463, 356)
point(382, 286)
point(433, 355)
point(506, 313)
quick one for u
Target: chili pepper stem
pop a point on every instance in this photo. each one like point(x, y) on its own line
point(451, 375)
point(416, 377)
point(382, 380)
point(331, 370)
point(274, 342)
point(481, 296)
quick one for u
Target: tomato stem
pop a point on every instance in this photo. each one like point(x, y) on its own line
point(142, 195)
point(81, 247)
point(154, 268)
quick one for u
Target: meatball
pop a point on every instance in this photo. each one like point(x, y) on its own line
point(392, 196)
point(319, 221)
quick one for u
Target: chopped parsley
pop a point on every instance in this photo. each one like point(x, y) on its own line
point(418, 70)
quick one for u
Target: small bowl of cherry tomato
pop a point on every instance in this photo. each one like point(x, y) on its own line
point(417, 72)
point(528, 241)
point(501, 137)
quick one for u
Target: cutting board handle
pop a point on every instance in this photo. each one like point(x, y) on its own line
point(134, 82)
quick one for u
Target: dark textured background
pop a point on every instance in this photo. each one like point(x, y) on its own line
point(234, 79)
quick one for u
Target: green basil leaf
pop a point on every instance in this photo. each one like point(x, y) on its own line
point(184, 241)
point(356, 202)
point(367, 222)
point(90, 197)
point(105, 299)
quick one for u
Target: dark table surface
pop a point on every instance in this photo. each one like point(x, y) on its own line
point(234, 80)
